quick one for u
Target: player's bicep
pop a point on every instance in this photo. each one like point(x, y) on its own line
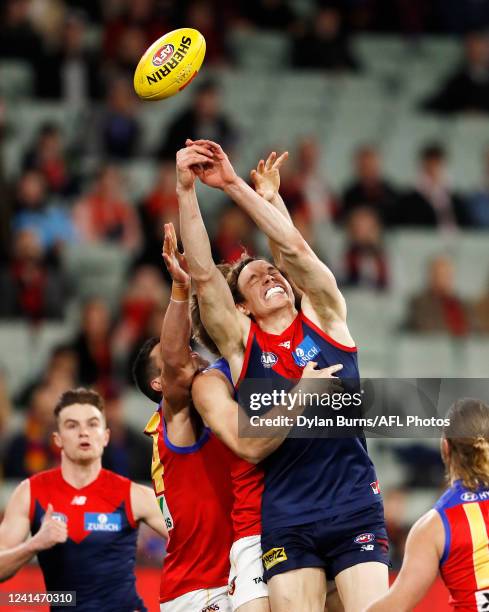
point(15, 527)
point(145, 508)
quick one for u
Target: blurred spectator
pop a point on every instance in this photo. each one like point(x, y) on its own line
point(120, 127)
point(481, 313)
point(146, 291)
point(204, 119)
point(60, 373)
point(35, 211)
point(158, 207)
point(324, 45)
point(369, 187)
point(468, 89)
point(438, 308)
point(6, 190)
point(47, 156)
point(104, 215)
point(128, 452)
point(30, 288)
point(365, 260)
point(395, 510)
point(128, 53)
point(152, 329)
point(93, 347)
point(268, 14)
point(234, 233)
point(304, 187)
point(33, 449)
point(432, 202)
point(209, 19)
point(69, 71)
point(143, 15)
point(5, 406)
point(18, 39)
point(478, 203)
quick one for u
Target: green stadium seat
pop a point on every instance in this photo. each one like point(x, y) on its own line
point(17, 342)
point(260, 50)
point(16, 79)
point(424, 356)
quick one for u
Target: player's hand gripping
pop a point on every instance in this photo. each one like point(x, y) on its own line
point(217, 172)
point(266, 176)
point(52, 531)
point(175, 261)
point(189, 160)
point(327, 375)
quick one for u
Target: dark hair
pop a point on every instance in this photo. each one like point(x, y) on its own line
point(144, 370)
point(433, 150)
point(235, 270)
point(468, 438)
point(79, 396)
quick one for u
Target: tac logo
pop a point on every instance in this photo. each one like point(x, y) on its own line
point(305, 352)
point(375, 485)
point(163, 55)
point(364, 538)
point(95, 521)
point(469, 497)
point(274, 556)
point(268, 360)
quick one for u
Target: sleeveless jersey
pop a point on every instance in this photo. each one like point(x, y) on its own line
point(464, 565)
point(308, 479)
point(193, 488)
point(97, 560)
point(246, 482)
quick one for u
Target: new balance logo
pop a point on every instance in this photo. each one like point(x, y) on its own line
point(79, 500)
point(285, 344)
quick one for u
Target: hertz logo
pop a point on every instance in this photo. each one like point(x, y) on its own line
point(274, 556)
point(173, 62)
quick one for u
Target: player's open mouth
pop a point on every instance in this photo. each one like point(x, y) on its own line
point(273, 291)
point(85, 445)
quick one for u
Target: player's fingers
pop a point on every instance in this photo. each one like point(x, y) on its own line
point(253, 174)
point(167, 260)
point(197, 158)
point(280, 160)
point(261, 167)
point(270, 160)
point(173, 237)
point(49, 511)
point(333, 369)
point(310, 366)
point(203, 150)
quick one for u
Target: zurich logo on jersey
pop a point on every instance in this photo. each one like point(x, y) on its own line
point(305, 352)
point(469, 497)
point(102, 521)
point(268, 360)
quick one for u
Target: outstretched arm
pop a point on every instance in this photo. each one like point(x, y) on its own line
point(145, 508)
point(212, 395)
point(225, 324)
point(303, 266)
point(424, 547)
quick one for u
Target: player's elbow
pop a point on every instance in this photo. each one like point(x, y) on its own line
point(295, 246)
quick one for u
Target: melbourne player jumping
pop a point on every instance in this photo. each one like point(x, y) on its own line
point(453, 537)
point(83, 518)
point(321, 501)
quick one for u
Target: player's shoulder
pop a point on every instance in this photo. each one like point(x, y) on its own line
point(428, 531)
point(113, 482)
point(45, 478)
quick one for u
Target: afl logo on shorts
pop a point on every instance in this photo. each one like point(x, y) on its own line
point(268, 360)
point(163, 54)
point(364, 538)
point(469, 497)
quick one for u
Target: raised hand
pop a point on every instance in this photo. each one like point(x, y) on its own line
point(189, 160)
point(52, 531)
point(175, 261)
point(266, 176)
point(217, 172)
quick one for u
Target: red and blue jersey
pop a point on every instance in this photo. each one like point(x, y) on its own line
point(193, 488)
point(97, 560)
point(464, 565)
point(307, 480)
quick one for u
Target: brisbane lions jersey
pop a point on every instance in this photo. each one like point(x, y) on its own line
point(464, 565)
point(307, 480)
point(97, 560)
point(193, 488)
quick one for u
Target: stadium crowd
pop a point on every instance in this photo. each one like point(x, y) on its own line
point(84, 54)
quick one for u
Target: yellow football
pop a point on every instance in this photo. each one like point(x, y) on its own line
point(169, 64)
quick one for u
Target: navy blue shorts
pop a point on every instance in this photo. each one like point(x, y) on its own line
point(334, 544)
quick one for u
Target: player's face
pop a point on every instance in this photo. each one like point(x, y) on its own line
point(264, 288)
point(82, 433)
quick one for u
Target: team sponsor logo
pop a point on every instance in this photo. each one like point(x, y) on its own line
point(305, 352)
point(165, 511)
point(285, 344)
point(258, 580)
point(232, 587)
point(59, 516)
point(364, 538)
point(375, 487)
point(212, 608)
point(171, 62)
point(102, 521)
point(79, 500)
point(268, 360)
point(163, 55)
point(274, 556)
point(469, 497)
point(482, 600)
